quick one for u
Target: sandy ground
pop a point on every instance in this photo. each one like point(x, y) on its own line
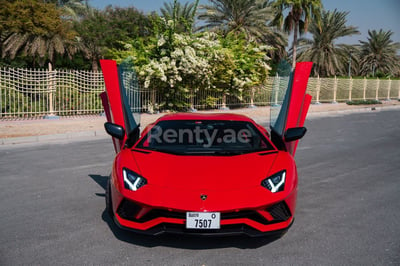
point(39, 126)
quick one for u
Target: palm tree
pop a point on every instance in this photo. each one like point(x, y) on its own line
point(184, 15)
point(251, 17)
point(379, 53)
point(74, 9)
point(240, 16)
point(301, 14)
point(329, 58)
point(46, 36)
point(40, 47)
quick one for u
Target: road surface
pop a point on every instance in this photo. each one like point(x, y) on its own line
point(53, 211)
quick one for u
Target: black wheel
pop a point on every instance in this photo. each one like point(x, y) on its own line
point(108, 198)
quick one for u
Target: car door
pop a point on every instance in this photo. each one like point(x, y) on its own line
point(121, 99)
point(290, 104)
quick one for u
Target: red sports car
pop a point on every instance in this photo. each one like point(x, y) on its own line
point(204, 174)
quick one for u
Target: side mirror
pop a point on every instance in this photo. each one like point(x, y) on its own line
point(295, 133)
point(114, 130)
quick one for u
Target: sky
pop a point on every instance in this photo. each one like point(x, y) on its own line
point(364, 14)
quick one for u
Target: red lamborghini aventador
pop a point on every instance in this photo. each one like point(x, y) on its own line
point(205, 174)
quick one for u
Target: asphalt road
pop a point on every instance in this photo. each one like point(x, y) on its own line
point(52, 205)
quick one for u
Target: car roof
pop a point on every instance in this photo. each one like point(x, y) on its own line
point(205, 116)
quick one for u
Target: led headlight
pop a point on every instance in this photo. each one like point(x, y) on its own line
point(132, 180)
point(276, 182)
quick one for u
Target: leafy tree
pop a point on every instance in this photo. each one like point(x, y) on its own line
point(34, 29)
point(126, 24)
point(102, 31)
point(379, 53)
point(179, 65)
point(250, 67)
point(329, 58)
point(301, 14)
point(92, 34)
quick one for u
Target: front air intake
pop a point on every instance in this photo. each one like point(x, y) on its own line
point(280, 211)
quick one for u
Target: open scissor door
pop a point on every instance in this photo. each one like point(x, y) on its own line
point(290, 104)
point(121, 100)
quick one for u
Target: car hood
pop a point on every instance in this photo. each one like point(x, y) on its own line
point(194, 173)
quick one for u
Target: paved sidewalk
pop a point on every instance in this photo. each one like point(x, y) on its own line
point(38, 130)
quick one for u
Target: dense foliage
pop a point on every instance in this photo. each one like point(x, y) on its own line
point(179, 64)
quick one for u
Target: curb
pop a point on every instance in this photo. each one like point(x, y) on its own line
point(55, 137)
point(99, 134)
point(352, 111)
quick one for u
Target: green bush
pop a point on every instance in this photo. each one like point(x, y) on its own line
point(363, 102)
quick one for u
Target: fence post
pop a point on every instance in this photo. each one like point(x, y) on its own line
point(398, 82)
point(365, 89)
point(277, 89)
point(389, 87)
point(350, 88)
point(377, 89)
point(253, 92)
point(224, 107)
point(50, 90)
point(192, 109)
point(335, 90)
point(318, 89)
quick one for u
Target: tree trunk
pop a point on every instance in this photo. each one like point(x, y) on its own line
point(95, 66)
point(296, 30)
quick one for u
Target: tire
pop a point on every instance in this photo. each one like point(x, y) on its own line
point(109, 199)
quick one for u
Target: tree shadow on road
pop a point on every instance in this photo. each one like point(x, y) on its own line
point(176, 240)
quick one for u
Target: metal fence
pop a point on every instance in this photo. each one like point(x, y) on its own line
point(349, 89)
point(28, 93)
point(32, 93)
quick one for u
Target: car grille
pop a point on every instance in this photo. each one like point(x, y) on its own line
point(128, 210)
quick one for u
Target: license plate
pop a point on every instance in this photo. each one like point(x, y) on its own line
point(203, 220)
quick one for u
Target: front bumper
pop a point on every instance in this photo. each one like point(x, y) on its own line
point(271, 220)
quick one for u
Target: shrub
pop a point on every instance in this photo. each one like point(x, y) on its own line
point(363, 102)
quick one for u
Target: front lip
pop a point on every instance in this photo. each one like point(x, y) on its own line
point(163, 228)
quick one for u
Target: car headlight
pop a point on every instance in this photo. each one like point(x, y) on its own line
point(132, 180)
point(276, 182)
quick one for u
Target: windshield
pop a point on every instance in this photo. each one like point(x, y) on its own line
point(205, 137)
